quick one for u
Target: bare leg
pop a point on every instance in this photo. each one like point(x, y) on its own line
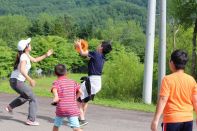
point(83, 109)
point(80, 105)
point(84, 106)
point(55, 128)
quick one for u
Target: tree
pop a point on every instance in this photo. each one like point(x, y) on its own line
point(13, 28)
point(43, 25)
point(59, 28)
point(185, 12)
point(46, 28)
point(35, 29)
point(128, 33)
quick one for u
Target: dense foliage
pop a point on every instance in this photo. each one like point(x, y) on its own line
point(123, 75)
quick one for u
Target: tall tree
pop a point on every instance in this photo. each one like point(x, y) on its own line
point(13, 28)
point(185, 12)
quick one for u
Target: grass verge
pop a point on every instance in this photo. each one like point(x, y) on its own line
point(43, 87)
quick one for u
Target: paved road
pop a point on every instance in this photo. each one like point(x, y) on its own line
point(100, 118)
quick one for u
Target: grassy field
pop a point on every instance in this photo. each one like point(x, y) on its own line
point(43, 86)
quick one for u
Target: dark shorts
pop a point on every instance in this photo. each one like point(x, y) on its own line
point(181, 126)
point(86, 99)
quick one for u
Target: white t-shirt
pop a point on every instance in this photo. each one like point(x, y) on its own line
point(16, 73)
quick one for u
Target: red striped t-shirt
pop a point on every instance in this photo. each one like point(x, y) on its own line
point(67, 90)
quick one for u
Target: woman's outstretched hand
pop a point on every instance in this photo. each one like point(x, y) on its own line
point(49, 52)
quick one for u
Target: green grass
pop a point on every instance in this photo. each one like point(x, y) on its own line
point(43, 86)
point(124, 105)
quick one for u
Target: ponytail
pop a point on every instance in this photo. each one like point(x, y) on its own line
point(18, 56)
point(17, 59)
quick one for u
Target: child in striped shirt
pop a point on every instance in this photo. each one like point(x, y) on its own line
point(66, 92)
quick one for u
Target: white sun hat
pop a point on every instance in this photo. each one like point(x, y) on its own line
point(22, 44)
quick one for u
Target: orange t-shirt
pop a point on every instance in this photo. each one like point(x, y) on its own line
point(179, 88)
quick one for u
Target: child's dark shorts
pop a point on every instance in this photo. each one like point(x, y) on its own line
point(179, 126)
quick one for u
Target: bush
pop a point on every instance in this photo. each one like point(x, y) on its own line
point(123, 75)
point(64, 53)
point(6, 60)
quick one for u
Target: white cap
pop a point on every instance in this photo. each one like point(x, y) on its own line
point(22, 44)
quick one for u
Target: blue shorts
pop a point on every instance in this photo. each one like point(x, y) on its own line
point(73, 121)
point(180, 126)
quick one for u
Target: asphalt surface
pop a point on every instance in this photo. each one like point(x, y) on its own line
point(99, 118)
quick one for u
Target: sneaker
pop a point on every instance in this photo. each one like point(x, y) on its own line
point(54, 103)
point(83, 122)
point(32, 123)
point(9, 109)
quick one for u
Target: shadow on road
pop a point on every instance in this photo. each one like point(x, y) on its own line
point(11, 119)
point(46, 118)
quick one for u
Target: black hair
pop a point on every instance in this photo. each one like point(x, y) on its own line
point(60, 70)
point(107, 47)
point(179, 58)
point(18, 56)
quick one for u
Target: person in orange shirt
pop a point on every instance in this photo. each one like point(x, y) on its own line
point(177, 98)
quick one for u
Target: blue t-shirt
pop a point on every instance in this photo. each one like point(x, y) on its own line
point(96, 62)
